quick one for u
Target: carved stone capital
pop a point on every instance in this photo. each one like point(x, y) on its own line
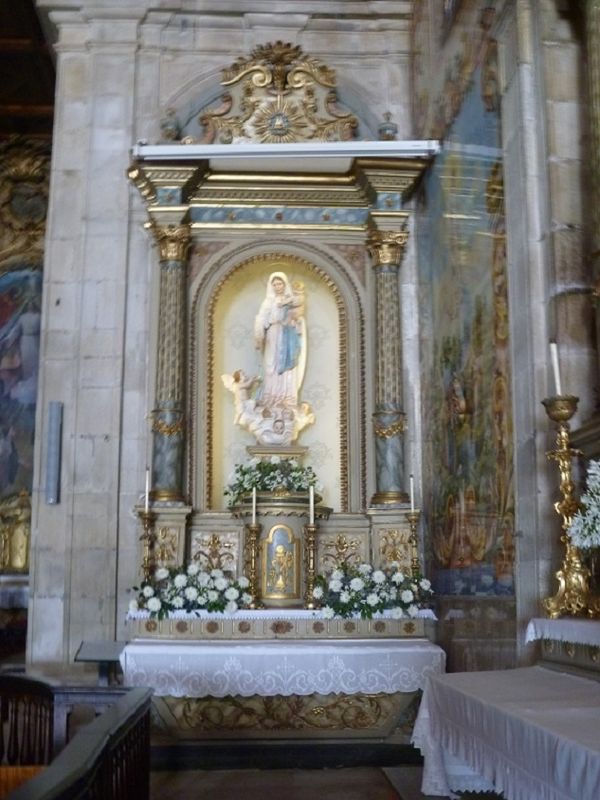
point(173, 240)
point(387, 247)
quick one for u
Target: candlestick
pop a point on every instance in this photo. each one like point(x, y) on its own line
point(310, 563)
point(555, 367)
point(148, 539)
point(311, 507)
point(573, 596)
point(413, 521)
point(147, 493)
point(412, 493)
point(252, 554)
point(254, 505)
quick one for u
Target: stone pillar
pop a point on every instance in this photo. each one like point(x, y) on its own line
point(592, 11)
point(386, 249)
point(168, 416)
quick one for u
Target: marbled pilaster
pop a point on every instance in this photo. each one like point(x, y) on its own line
point(386, 248)
point(168, 416)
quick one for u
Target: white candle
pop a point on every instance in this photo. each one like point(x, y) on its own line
point(147, 493)
point(555, 367)
point(412, 493)
point(254, 505)
point(311, 506)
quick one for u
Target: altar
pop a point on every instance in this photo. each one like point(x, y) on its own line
point(352, 688)
point(527, 732)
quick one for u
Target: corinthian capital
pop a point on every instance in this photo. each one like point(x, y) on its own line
point(386, 247)
point(173, 240)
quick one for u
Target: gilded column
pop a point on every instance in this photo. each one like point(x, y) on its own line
point(386, 249)
point(168, 416)
point(592, 9)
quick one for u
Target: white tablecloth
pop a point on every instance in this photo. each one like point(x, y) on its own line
point(531, 733)
point(217, 669)
point(574, 631)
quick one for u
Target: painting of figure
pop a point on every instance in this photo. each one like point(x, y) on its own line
point(20, 295)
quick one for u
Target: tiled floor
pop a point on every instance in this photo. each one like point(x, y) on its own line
point(363, 783)
point(348, 784)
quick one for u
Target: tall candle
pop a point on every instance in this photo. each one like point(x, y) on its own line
point(147, 493)
point(555, 367)
point(311, 507)
point(412, 493)
point(254, 505)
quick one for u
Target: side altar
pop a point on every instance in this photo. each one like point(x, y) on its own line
point(277, 472)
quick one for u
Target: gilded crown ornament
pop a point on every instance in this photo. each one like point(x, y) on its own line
point(278, 95)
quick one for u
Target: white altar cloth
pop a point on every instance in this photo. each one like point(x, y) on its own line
point(573, 631)
point(531, 733)
point(268, 668)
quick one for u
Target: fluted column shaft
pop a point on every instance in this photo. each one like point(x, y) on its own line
point(592, 10)
point(168, 415)
point(386, 249)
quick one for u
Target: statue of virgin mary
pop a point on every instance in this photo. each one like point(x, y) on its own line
point(274, 415)
point(280, 334)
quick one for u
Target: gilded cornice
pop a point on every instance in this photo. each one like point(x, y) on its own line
point(387, 247)
point(173, 240)
point(391, 174)
point(170, 190)
point(166, 184)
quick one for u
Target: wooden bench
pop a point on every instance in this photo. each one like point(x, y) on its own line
point(109, 758)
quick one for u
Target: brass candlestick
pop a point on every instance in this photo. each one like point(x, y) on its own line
point(573, 577)
point(252, 548)
point(148, 539)
point(413, 518)
point(310, 556)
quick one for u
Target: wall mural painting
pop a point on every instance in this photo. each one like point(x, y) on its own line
point(466, 370)
point(20, 292)
point(24, 168)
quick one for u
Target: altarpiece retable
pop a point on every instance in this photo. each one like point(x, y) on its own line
point(283, 346)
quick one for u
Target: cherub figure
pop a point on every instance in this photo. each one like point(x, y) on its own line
point(241, 385)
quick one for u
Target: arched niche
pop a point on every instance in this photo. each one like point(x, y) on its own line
point(225, 298)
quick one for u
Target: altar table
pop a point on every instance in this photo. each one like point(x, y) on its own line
point(530, 733)
point(269, 668)
point(573, 631)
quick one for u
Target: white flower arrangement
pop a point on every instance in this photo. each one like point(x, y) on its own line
point(266, 475)
point(584, 530)
point(349, 591)
point(190, 590)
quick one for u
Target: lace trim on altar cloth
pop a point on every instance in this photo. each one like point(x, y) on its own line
point(275, 613)
point(273, 668)
point(572, 631)
point(448, 758)
point(536, 745)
